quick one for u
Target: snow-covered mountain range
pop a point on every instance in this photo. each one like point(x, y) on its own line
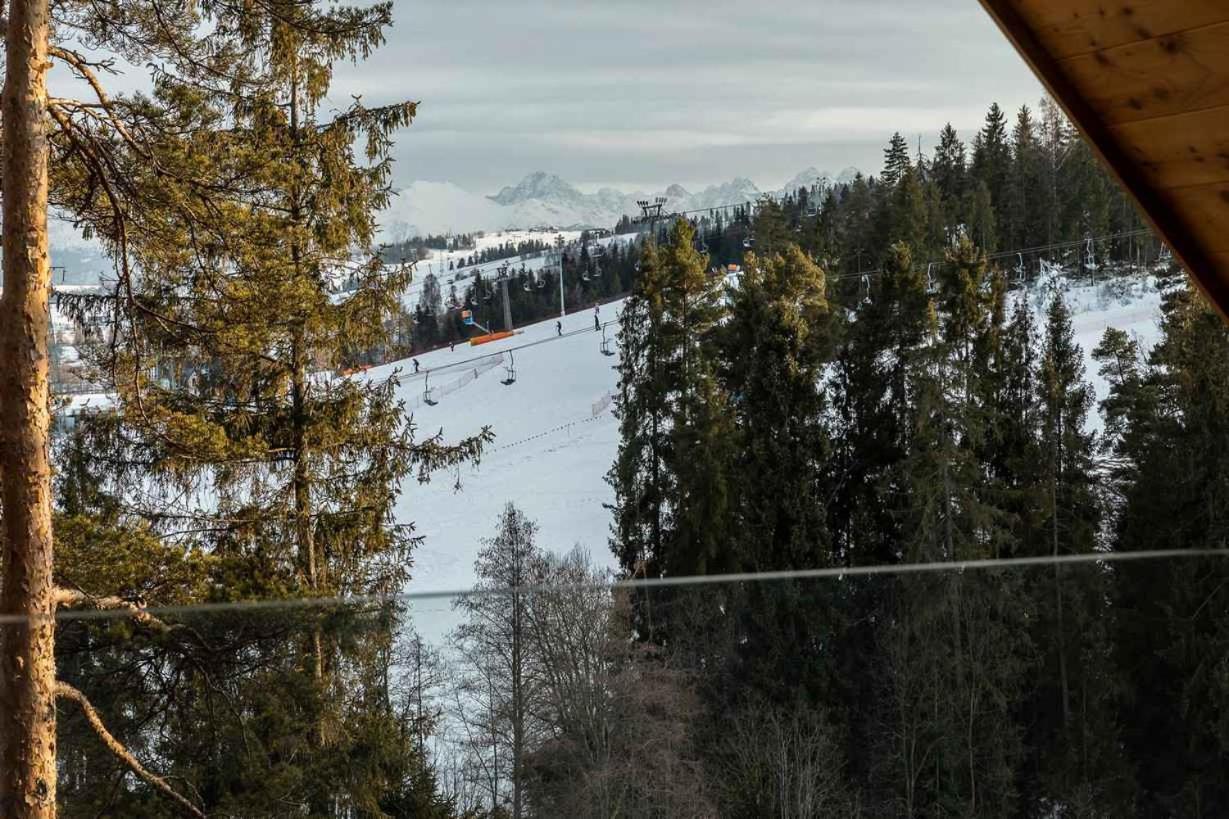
point(441, 207)
point(545, 199)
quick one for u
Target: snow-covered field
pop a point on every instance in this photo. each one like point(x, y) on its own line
point(550, 454)
point(1130, 304)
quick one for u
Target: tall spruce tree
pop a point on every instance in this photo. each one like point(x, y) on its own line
point(1170, 442)
point(948, 170)
point(991, 163)
point(225, 357)
point(895, 160)
point(1072, 723)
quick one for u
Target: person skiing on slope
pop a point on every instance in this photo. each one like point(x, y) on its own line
point(416, 366)
point(452, 345)
point(558, 328)
point(597, 322)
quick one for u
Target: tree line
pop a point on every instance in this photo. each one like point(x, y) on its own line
point(770, 427)
point(812, 415)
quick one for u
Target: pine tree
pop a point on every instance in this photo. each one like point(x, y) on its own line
point(774, 346)
point(991, 165)
point(1072, 722)
point(1026, 197)
point(895, 161)
point(303, 468)
point(1170, 449)
point(639, 477)
point(672, 501)
point(949, 174)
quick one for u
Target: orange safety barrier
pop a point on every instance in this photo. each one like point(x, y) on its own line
point(489, 337)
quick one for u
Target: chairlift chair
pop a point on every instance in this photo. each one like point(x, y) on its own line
point(607, 345)
point(509, 371)
point(426, 391)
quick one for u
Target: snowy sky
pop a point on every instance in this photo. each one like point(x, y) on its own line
point(639, 94)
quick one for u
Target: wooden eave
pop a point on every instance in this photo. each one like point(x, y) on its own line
point(1147, 83)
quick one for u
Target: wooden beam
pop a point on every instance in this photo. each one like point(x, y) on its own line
point(1168, 223)
point(1173, 74)
point(1179, 150)
point(1069, 28)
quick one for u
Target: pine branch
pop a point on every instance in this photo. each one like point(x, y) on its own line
point(85, 69)
point(75, 598)
point(65, 691)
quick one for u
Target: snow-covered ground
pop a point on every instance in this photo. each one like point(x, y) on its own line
point(1132, 304)
point(550, 454)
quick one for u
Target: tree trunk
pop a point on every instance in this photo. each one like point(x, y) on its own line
point(27, 660)
point(1058, 597)
point(518, 698)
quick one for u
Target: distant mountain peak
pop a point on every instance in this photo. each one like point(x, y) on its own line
point(537, 185)
point(807, 178)
point(543, 198)
point(847, 176)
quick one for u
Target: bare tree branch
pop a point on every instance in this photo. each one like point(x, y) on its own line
point(65, 691)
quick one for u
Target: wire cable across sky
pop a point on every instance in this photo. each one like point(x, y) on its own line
point(822, 573)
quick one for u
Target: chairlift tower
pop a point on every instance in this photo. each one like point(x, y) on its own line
point(502, 271)
point(557, 258)
point(650, 212)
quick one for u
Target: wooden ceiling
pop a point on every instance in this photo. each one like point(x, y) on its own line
point(1147, 82)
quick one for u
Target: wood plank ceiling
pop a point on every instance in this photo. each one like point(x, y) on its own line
point(1147, 82)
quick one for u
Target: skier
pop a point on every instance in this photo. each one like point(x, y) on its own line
point(452, 345)
point(416, 366)
point(597, 322)
point(558, 328)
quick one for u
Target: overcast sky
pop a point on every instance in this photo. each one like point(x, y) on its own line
point(641, 94)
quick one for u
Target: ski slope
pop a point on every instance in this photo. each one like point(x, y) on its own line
point(550, 454)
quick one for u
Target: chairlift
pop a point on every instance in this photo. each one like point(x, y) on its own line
point(748, 243)
point(426, 391)
point(930, 279)
point(1090, 256)
point(866, 288)
point(509, 371)
point(607, 345)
